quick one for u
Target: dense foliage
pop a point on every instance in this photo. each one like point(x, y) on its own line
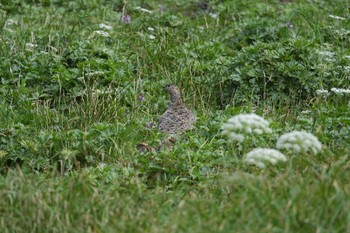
point(81, 84)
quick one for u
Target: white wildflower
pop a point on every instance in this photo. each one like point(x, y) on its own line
point(150, 29)
point(336, 17)
point(54, 49)
point(340, 91)
point(299, 142)
point(96, 73)
point(97, 92)
point(152, 37)
point(306, 111)
point(101, 166)
point(10, 22)
point(326, 53)
point(30, 46)
point(102, 33)
point(213, 15)
point(144, 10)
point(342, 32)
point(236, 137)
point(322, 92)
point(260, 156)
point(240, 125)
point(329, 60)
point(105, 26)
point(346, 68)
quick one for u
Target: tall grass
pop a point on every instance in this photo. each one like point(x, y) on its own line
point(77, 98)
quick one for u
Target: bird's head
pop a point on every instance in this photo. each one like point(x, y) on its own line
point(172, 89)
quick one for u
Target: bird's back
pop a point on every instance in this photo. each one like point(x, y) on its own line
point(176, 120)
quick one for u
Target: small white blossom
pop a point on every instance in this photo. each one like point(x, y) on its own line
point(342, 32)
point(150, 29)
point(30, 46)
point(105, 26)
point(336, 17)
point(236, 137)
point(213, 15)
point(144, 10)
point(326, 53)
point(103, 91)
point(299, 142)
point(260, 156)
point(340, 91)
point(54, 49)
point(102, 33)
point(152, 37)
point(10, 22)
point(322, 92)
point(101, 166)
point(329, 59)
point(346, 68)
point(306, 111)
point(96, 73)
point(241, 125)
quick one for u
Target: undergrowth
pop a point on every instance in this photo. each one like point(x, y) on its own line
point(82, 84)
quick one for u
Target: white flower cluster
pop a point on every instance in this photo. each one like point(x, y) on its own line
point(337, 91)
point(260, 156)
point(241, 125)
point(342, 32)
point(143, 10)
point(322, 92)
point(30, 46)
point(96, 73)
point(105, 26)
point(336, 17)
point(299, 142)
point(151, 30)
point(10, 22)
point(346, 68)
point(326, 53)
point(340, 91)
point(213, 15)
point(102, 33)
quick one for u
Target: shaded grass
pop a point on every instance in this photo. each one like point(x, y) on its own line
point(305, 196)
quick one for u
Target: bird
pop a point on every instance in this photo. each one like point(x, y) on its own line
point(177, 118)
point(166, 144)
point(144, 147)
point(173, 122)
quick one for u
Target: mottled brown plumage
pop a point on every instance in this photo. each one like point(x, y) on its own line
point(144, 147)
point(166, 144)
point(177, 118)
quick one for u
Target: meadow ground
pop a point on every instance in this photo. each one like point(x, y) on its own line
point(82, 83)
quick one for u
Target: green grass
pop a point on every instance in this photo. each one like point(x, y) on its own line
point(74, 104)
